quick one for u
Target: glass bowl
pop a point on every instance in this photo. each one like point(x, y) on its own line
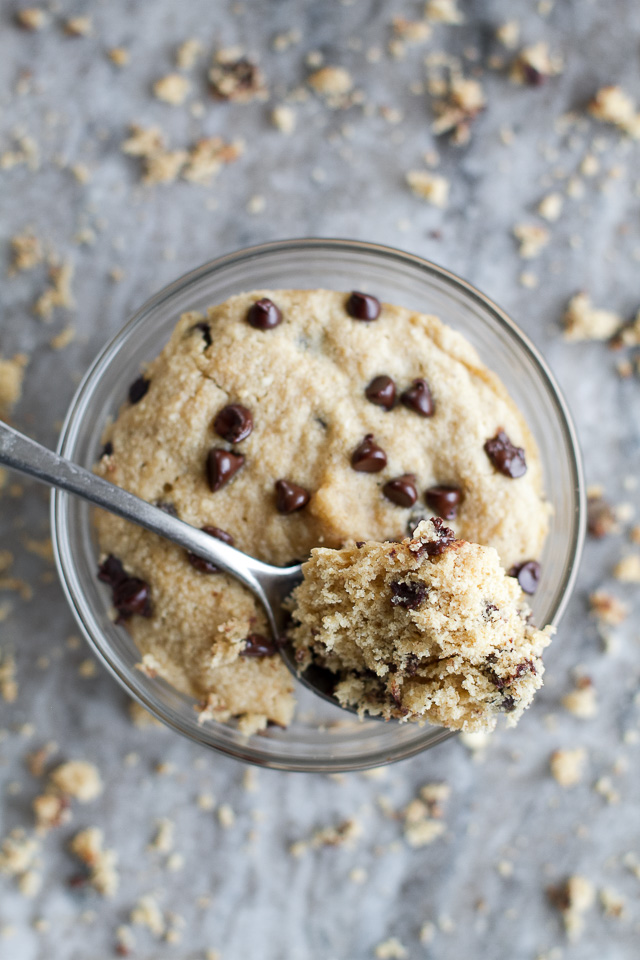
point(322, 737)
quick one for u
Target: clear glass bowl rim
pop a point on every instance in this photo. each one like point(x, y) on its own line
point(316, 244)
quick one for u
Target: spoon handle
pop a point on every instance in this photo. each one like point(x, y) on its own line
point(26, 456)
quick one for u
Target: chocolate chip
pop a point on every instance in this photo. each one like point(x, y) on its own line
point(233, 423)
point(138, 389)
point(401, 491)
point(418, 398)
point(167, 507)
point(205, 330)
point(290, 497)
point(264, 315)
point(368, 457)
point(205, 566)
point(257, 645)
point(132, 596)
point(222, 466)
point(445, 538)
point(408, 595)
point(362, 306)
point(527, 574)
point(111, 571)
point(107, 450)
point(443, 501)
point(506, 458)
point(508, 705)
point(381, 391)
point(533, 76)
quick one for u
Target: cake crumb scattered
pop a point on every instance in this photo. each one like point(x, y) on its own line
point(11, 377)
point(226, 815)
point(613, 903)
point(601, 517)
point(532, 239)
point(147, 913)
point(567, 766)
point(605, 788)
point(508, 34)
point(444, 11)
point(430, 187)
point(613, 105)
point(78, 27)
point(550, 207)
point(119, 55)
point(103, 874)
point(411, 31)
point(188, 53)
point(582, 321)
point(608, 608)
point(461, 100)
point(8, 681)
point(331, 82)
point(234, 77)
point(574, 898)
point(163, 839)
point(627, 570)
point(26, 252)
point(58, 294)
point(284, 118)
point(535, 64)
point(50, 810)
point(391, 949)
point(172, 88)
point(582, 702)
point(79, 779)
point(32, 18)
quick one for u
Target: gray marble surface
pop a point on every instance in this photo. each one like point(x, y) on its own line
point(511, 830)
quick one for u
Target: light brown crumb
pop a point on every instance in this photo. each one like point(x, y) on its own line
point(119, 55)
point(331, 82)
point(607, 608)
point(613, 903)
point(81, 172)
point(78, 27)
point(207, 158)
point(613, 105)
point(18, 854)
point(172, 89)
point(582, 702)
point(443, 11)
point(358, 875)
point(535, 64)
point(532, 239)
point(163, 840)
point(8, 681)
point(30, 883)
point(33, 18)
point(627, 570)
point(574, 898)
point(567, 766)
point(601, 517)
point(391, 949)
point(550, 207)
point(508, 34)
point(411, 31)
point(422, 832)
point(460, 100)
point(605, 788)
point(58, 294)
point(50, 810)
point(37, 760)
point(284, 118)
point(26, 152)
point(125, 940)
point(634, 534)
point(427, 932)
point(430, 187)
point(63, 339)
point(590, 165)
point(79, 779)
point(88, 669)
point(206, 801)
point(234, 77)
point(147, 913)
point(26, 252)
point(629, 336)
point(226, 816)
point(529, 280)
point(582, 321)
point(188, 53)
point(256, 204)
point(11, 377)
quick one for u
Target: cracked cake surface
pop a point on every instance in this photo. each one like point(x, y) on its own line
point(431, 628)
point(287, 420)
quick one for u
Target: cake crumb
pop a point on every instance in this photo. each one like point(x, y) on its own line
point(283, 118)
point(119, 55)
point(574, 898)
point(582, 701)
point(172, 89)
point(331, 82)
point(508, 34)
point(627, 570)
point(613, 903)
point(444, 11)
point(87, 845)
point(11, 377)
point(58, 294)
point(8, 681)
point(532, 239)
point(18, 854)
point(582, 321)
point(50, 810)
point(147, 913)
point(234, 77)
point(358, 875)
point(601, 517)
point(226, 815)
point(550, 207)
point(79, 779)
point(461, 100)
point(411, 31)
point(430, 187)
point(33, 18)
point(391, 949)
point(605, 788)
point(535, 64)
point(567, 766)
point(206, 801)
point(163, 839)
point(614, 106)
point(608, 608)
point(78, 27)
point(188, 53)
point(26, 252)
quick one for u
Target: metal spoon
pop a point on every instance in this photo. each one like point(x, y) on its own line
point(271, 585)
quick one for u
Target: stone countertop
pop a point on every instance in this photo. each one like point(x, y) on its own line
point(511, 831)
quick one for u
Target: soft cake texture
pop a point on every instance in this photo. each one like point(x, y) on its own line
point(413, 636)
point(304, 382)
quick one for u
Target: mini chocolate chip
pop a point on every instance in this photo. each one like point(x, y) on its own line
point(368, 457)
point(360, 543)
point(222, 466)
point(257, 645)
point(290, 497)
point(381, 391)
point(401, 491)
point(264, 315)
point(167, 507)
point(138, 389)
point(205, 566)
point(489, 610)
point(446, 537)
point(362, 306)
point(233, 423)
point(205, 330)
point(418, 398)
point(111, 571)
point(408, 595)
point(132, 596)
point(527, 574)
point(107, 450)
point(443, 500)
point(506, 458)
point(508, 705)
point(533, 76)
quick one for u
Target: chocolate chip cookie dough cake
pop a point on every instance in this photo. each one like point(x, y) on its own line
point(291, 419)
